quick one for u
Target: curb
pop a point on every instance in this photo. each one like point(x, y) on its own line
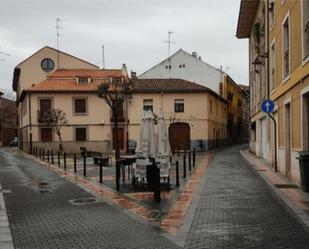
point(6, 241)
point(287, 204)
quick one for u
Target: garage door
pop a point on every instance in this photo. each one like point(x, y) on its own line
point(179, 136)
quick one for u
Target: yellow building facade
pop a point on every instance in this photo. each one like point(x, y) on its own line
point(237, 128)
point(278, 33)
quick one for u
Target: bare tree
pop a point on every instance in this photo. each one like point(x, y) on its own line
point(56, 118)
point(114, 92)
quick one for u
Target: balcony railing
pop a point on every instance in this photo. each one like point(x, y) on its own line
point(41, 117)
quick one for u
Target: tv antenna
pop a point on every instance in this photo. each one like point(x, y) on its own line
point(103, 57)
point(58, 27)
point(169, 42)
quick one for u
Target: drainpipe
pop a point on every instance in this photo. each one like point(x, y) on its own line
point(267, 81)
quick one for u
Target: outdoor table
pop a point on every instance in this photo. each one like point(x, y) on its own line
point(128, 160)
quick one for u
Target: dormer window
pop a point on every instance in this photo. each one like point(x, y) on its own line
point(83, 80)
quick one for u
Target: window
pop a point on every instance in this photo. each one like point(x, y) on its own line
point(148, 105)
point(182, 66)
point(45, 106)
point(168, 66)
point(83, 80)
point(80, 106)
point(80, 134)
point(46, 134)
point(286, 48)
point(305, 5)
point(47, 65)
point(272, 58)
point(210, 106)
point(179, 105)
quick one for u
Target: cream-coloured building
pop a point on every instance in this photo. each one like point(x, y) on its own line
point(278, 32)
point(35, 69)
point(192, 121)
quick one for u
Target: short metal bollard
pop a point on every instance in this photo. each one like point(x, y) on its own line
point(40, 153)
point(65, 161)
point(48, 155)
point(189, 159)
point(101, 170)
point(59, 159)
point(75, 170)
point(52, 157)
point(118, 166)
point(194, 157)
point(177, 174)
point(84, 168)
point(184, 166)
point(43, 154)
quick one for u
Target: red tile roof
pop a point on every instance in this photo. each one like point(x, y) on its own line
point(66, 81)
point(93, 73)
point(167, 85)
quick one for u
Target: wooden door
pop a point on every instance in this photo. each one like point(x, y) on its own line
point(179, 136)
point(120, 137)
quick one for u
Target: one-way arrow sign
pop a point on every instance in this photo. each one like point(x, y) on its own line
point(267, 106)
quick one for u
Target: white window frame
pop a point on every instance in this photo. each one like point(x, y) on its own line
point(304, 59)
point(286, 78)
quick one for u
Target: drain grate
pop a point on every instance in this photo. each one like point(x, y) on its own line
point(84, 201)
point(286, 186)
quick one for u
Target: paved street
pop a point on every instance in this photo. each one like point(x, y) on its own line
point(235, 209)
point(41, 215)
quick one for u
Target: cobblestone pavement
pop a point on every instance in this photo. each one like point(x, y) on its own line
point(41, 215)
point(237, 210)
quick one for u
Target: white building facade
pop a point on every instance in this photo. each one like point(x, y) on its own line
point(190, 67)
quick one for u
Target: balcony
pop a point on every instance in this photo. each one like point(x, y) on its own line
point(41, 117)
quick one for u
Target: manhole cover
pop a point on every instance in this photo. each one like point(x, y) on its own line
point(286, 186)
point(84, 201)
point(262, 170)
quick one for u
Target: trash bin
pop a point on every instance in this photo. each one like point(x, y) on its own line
point(304, 169)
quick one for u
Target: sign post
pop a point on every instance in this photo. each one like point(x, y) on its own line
point(268, 106)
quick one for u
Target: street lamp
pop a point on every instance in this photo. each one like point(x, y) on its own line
point(257, 62)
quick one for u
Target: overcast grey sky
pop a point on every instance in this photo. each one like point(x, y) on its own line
point(132, 31)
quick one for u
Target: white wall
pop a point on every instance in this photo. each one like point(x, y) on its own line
point(195, 70)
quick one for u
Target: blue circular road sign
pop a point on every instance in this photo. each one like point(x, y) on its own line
point(268, 106)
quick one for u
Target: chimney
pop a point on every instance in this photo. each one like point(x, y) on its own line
point(133, 75)
point(194, 54)
point(124, 70)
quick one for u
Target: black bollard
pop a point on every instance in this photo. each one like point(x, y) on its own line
point(52, 157)
point(158, 185)
point(48, 155)
point(177, 174)
point(101, 170)
point(40, 153)
point(59, 159)
point(117, 175)
point(184, 166)
point(189, 159)
point(43, 154)
point(65, 161)
point(75, 170)
point(84, 171)
point(194, 158)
